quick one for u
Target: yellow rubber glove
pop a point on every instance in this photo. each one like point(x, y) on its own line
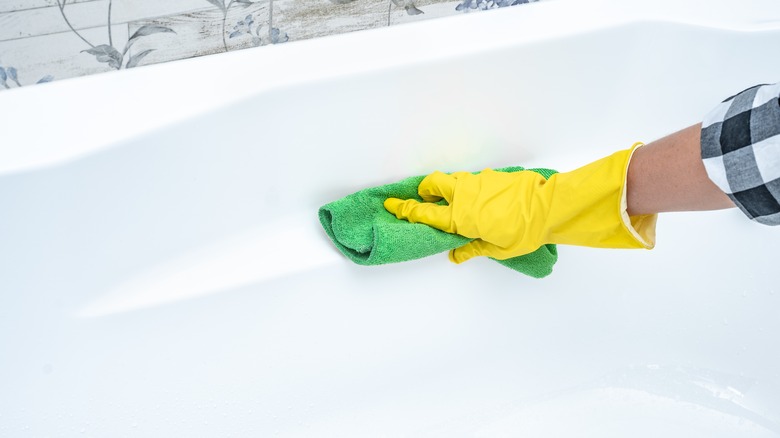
point(512, 214)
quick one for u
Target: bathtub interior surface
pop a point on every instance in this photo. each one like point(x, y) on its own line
point(178, 284)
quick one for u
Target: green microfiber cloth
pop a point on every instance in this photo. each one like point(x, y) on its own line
point(367, 234)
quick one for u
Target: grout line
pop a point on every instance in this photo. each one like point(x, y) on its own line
point(11, 11)
point(270, 20)
point(110, 40)
point(66, 31)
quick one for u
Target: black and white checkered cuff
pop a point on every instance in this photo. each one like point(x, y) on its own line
point(740, 148)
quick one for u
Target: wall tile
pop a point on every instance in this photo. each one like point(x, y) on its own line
point(58, 55)
point(302, 19)
point(21, 5)
point(430, 9)
point(85, 15)
point(201, 33)
point(38, 39)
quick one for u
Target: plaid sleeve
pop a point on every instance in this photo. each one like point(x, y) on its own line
point(740, 148)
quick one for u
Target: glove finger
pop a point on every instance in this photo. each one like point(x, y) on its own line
point(475, 248)
point(437, 216)
point(436, 186)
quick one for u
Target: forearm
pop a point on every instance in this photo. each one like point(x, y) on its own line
point(668, 175)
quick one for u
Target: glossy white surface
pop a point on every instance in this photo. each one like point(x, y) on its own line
point(166, 275)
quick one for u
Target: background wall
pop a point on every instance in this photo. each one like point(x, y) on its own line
point(45, 40)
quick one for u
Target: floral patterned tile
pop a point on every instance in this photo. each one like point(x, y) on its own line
point(224, 27)
point(56, 39)
point(53, 57)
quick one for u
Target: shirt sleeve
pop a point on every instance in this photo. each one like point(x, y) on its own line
point(740, 148)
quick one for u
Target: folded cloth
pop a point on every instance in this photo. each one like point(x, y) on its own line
point(367, 234)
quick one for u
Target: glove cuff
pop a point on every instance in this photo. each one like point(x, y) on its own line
point(641, 227)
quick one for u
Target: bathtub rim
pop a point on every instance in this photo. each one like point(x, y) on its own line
point(159, 95)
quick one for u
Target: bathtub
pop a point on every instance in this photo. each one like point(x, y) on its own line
point(163, 272)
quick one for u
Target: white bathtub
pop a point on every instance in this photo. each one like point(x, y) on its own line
point(163, 272)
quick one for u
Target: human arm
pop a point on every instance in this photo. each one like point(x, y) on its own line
point(668, 175)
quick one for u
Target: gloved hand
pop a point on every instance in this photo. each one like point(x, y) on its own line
point(512, 214)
